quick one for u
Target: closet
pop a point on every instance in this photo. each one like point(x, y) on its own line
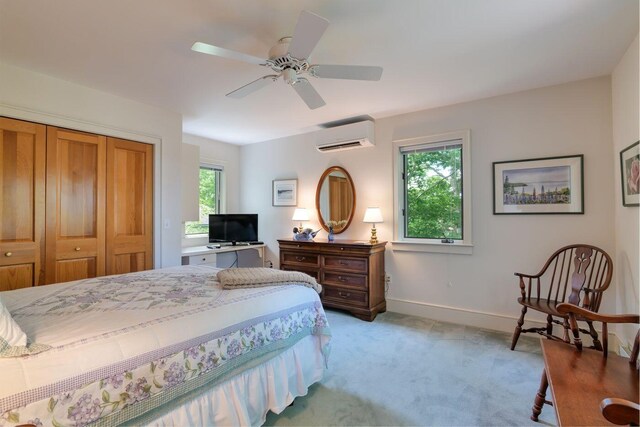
point(73, 205)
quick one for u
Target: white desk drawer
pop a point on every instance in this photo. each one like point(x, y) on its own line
point(202, 259)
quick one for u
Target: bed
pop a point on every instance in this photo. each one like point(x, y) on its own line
point(161, 347)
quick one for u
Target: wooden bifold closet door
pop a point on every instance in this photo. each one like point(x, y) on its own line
point(129, 206)
point(75, 205)
point(22, 210)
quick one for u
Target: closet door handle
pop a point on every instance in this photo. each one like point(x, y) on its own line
point(8, 254)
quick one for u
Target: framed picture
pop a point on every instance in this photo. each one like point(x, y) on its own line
point(552, 185)
point(285, 192)
point(630, 174)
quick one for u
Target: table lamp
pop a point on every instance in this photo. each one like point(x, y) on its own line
point(373, 216)
point(300, 214)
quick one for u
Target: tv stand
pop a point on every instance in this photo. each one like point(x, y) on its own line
point(201, 255)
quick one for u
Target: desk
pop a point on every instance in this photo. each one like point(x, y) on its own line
point(202, 255)
point(579, 380)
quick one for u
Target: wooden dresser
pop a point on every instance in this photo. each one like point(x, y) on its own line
point(351, 272)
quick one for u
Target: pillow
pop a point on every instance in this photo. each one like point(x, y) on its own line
point(13, 341)
point(10, 333)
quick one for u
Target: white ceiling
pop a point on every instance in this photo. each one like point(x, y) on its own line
point(434, 52)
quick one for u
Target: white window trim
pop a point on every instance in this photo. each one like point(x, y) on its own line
point(401, 243)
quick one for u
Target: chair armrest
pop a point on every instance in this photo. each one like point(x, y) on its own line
point(620, 411)
point(527, 276)
point(566, 308)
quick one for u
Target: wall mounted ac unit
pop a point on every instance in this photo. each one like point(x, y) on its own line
point(347, 137)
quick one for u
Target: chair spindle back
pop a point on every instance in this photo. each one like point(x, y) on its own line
point(573, 270)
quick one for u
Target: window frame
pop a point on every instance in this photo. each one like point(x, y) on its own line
point(403, 243)
point(219, 172)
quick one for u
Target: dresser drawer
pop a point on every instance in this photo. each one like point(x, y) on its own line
point(300, 258)
point(202, 259)
point(296, 246)
point(343, 295)
point(338, 249)
point(343, 279)
point(358, 265)
point(313, 273)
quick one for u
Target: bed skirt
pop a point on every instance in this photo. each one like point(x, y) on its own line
point(245, 398)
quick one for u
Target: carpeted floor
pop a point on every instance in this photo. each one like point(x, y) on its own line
point(406, 370)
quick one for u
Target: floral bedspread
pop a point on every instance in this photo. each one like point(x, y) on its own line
point(129, 388)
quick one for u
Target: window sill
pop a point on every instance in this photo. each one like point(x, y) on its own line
point(441, 248)
point(195, 236)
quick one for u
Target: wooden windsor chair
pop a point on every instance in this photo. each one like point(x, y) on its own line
point(556, 283)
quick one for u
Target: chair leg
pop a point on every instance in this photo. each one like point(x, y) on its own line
point(540, 399)
point(594, 336)
point(516, 332)
point(565, 336)
point(549, 326)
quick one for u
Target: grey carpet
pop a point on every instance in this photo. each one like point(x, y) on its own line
point(407, 370)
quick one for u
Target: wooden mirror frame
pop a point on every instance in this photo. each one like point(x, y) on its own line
point(353, 190)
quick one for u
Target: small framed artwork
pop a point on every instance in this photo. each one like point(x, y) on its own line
point(630, 174)
point(285, 192)
point(551, 185)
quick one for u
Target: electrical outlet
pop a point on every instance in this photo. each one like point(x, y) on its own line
point(387, 279)
point(269, 263)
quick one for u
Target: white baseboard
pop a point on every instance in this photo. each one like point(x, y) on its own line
point(479, 319)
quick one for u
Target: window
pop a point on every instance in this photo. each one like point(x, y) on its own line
point(433, 191)
point(210, 179)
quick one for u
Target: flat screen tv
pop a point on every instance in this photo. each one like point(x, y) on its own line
point(233, 228)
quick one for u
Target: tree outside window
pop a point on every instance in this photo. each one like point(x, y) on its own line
point(433, 193)
point(433, 186)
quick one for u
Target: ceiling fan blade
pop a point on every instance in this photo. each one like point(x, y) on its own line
point(226, 53)
point(309, 29)
point(308, 94)
point(350, 72)
point(252, 87)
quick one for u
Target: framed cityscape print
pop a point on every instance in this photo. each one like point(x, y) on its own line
point(551, 185)
point(285, 192)
point(630, 174)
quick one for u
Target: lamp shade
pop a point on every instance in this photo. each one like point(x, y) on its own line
point(373, 215)
point(300, 214)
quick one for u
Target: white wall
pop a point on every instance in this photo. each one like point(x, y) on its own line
point(573, 118)
point(626, 119)
point(36, 97)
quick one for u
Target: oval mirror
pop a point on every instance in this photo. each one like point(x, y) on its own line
point(335, 199)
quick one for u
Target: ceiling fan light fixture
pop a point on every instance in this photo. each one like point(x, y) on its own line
point(290, 76)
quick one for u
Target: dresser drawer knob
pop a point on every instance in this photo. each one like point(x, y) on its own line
point(343, 263)
point(77, 248)
point(342, 249)
point(342, 279)
point(8, 254)
point(344, 294)
point(204, 259)
point(300, 258)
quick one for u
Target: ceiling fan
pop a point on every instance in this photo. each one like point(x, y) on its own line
point(289, 59)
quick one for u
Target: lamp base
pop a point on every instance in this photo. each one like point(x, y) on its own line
point(374, 236)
